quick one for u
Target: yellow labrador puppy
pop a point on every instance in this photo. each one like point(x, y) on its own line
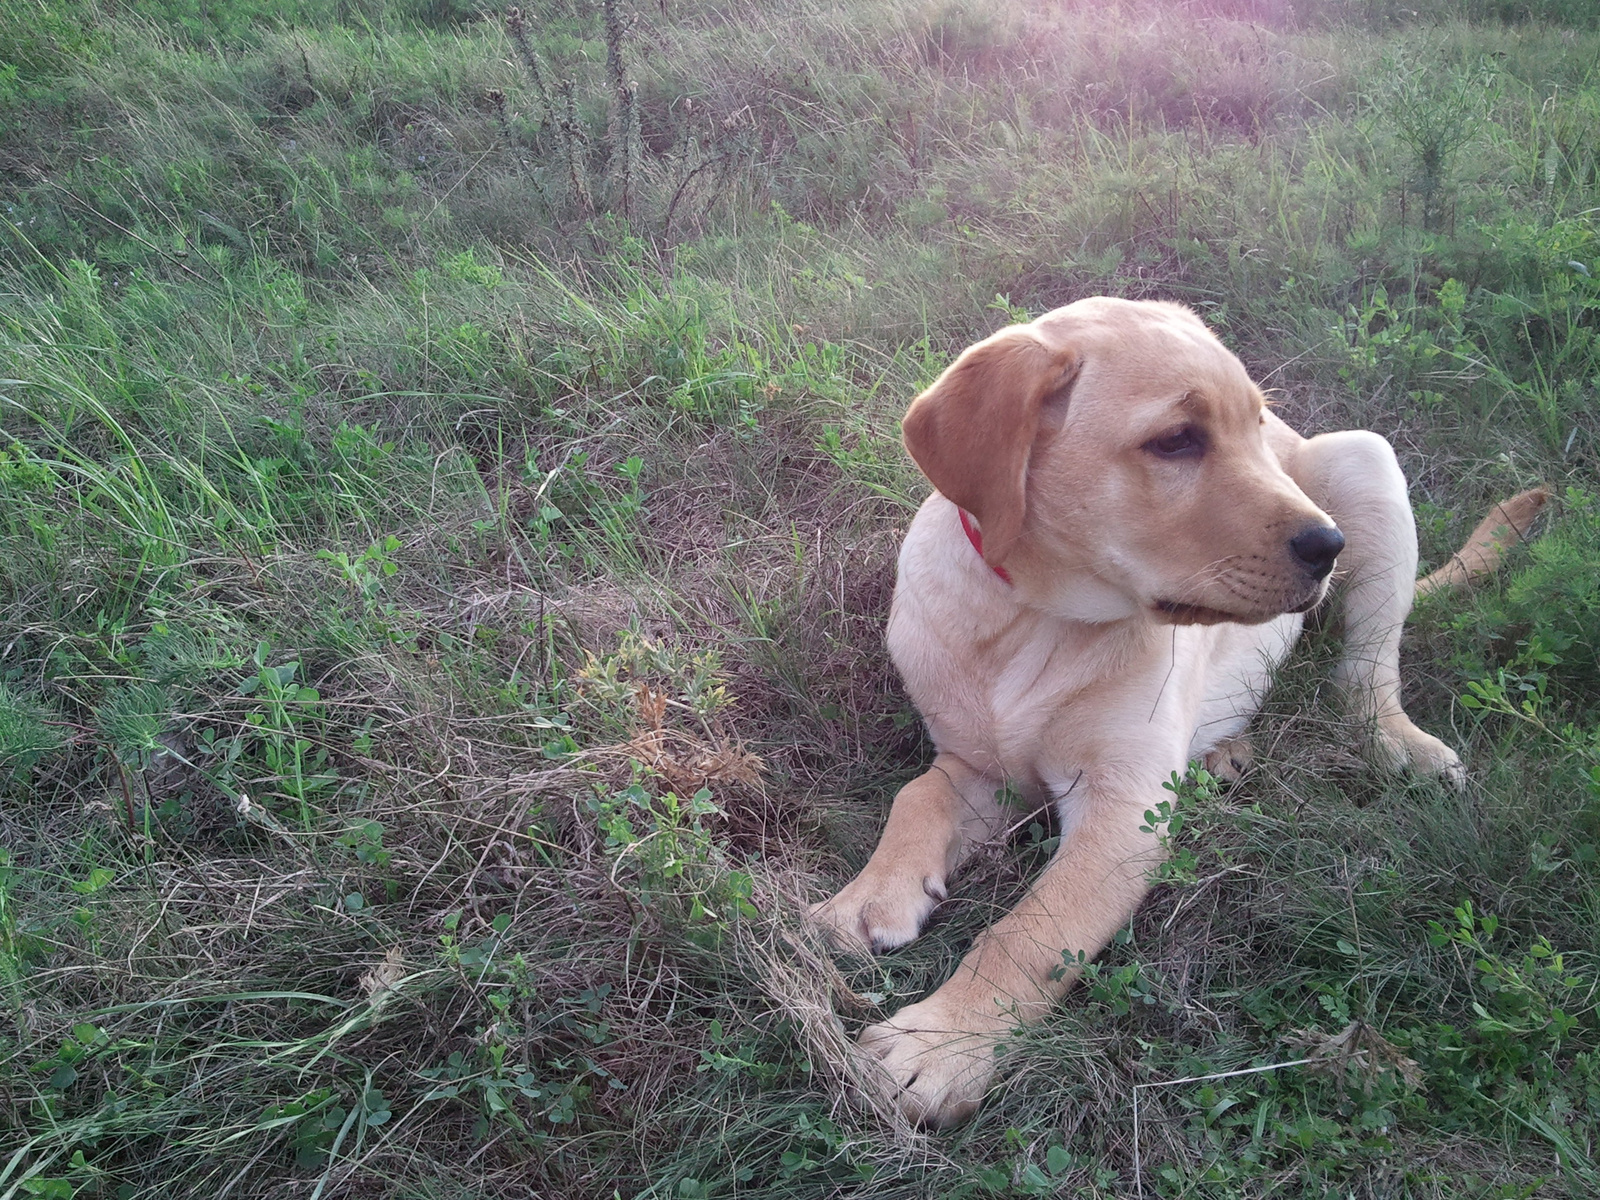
point(1119, 553)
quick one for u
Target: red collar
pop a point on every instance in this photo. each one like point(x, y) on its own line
point(976, 538)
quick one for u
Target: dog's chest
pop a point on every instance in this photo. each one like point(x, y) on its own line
point(1021, 694)
point(1239, 662)
point(1008, 693)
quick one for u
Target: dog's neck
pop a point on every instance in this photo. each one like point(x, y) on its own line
point(975, 536)
point(1069, 596)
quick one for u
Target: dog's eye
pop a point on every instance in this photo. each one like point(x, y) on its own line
point(1180, 443)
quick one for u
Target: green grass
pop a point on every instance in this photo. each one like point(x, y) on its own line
point(449, 489)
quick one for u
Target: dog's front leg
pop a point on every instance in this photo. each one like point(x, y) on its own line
point(934, 822)
point(939, 1053)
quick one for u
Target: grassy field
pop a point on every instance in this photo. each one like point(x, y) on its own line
point(449, 490)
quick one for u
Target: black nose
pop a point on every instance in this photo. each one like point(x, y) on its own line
point(1317, 547)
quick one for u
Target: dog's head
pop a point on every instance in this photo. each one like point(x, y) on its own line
point(1115, 456)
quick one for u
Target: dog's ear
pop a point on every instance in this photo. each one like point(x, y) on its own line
point(973, 431)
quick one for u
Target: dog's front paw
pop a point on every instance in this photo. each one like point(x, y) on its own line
point(938, 1060)
point(879, 910)
point(1399, 745)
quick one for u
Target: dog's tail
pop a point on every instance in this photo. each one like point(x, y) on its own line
point(1481, 554)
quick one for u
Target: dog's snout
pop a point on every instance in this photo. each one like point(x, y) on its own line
point(1317, 547)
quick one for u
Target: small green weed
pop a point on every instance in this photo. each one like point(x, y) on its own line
point(1435, 109)
point(1191, 793)
point(662, 845)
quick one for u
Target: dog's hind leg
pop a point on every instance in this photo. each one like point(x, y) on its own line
point(1229, 760)
point(1356, 480)
point(934, 823)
